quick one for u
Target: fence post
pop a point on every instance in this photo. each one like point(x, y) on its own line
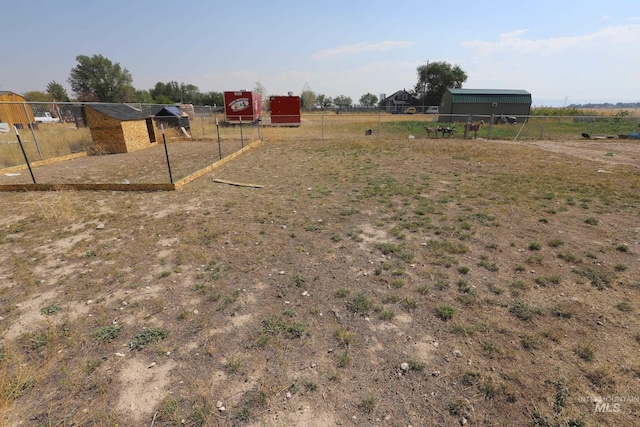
point(35, 139)
point(26, 159)
point(544, 121)
point(466, 127)
point(490, 127)
point(379, 117)
point(166, 152)
point(241, 136)
point(218, 132)
point(322, 126)
point(202, 123)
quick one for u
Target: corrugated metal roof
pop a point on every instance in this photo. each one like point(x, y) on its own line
point(486, 96)
point(119, 111)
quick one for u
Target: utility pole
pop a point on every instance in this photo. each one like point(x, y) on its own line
point(426, 86)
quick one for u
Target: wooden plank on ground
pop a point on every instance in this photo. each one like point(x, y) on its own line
point(238, 184)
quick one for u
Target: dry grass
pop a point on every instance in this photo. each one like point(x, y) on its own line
point(293, 303)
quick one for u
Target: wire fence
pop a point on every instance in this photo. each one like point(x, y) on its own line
point(32, 133)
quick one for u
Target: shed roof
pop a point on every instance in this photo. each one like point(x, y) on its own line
point(120, 112)
point(173, 110)
point(8, 92)
point(483, 96)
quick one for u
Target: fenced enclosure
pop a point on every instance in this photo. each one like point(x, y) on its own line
point(59, 131)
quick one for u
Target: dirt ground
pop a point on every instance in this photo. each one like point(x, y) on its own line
point(142, 166)
point(321, 298)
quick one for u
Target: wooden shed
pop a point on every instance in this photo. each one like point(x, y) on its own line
point(14, 110)
point(173, 116)
point(118, 128)
point(457, 104)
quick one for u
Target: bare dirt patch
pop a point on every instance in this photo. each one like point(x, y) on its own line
point(397, 282)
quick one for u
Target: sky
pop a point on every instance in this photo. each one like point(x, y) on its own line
point(563, 52)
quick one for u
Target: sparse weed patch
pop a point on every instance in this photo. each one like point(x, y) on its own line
point(585, 351)
point(147, 337)
point(555, 243)
point(108, 333)
point(524, 311)
point(51, 309)
point(599, 279)
point(360, 304)
point(548, 280)
point(591, 221)
point(445, 312)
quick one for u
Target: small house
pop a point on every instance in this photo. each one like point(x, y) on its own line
point(399, 101)
point(173, 116)
point(458, 104)
point(14, 110)
point(119, 128)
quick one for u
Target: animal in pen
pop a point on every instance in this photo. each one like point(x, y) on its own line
point(474, 127)
point(446, 131)
point(368, 132)
point(431, 131)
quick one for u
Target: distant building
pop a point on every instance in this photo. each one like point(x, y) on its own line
point(118, 128)
point(458, 104)
point(399, 101)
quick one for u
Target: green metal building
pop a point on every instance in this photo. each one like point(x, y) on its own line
point(483, 104)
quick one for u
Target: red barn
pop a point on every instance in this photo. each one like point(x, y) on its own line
point(242, 106)
point(285, 110)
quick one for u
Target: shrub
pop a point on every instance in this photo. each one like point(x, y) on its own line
point(445, 312)
point(146, 337)
point(360, 304)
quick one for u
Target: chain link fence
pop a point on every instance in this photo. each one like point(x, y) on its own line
point(35, 132)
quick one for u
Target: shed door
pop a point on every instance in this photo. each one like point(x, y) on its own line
point(151, 130)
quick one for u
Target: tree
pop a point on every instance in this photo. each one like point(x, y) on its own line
point(435, 78)
point(57, 92)
point(261, 90)
point(213, 99)
point(368, 100)
point(36, 96)
point(307, 97)
point(96, 77)
point(189, 94)
point(323, 101)
point(144, 96)
point(342, 101)
point(166, 93)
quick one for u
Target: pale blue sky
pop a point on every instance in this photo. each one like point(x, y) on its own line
point(583, 51)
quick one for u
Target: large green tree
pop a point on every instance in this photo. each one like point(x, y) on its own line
point(57, 92)
point(342, 101)
point(97, 78)
point(368, 100)
point(323, 101)
point(36, 96)
point(435, 78)
point(213, 99)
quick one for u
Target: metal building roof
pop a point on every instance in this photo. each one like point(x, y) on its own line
point(119, 111)
point(484, 96)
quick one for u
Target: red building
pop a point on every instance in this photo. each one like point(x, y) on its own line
point(242, 106)
point(285, 110)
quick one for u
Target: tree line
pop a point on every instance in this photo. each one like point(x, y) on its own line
point(98, 79)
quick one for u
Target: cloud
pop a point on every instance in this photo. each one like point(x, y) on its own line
point(357, 48)
point(514, 42)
